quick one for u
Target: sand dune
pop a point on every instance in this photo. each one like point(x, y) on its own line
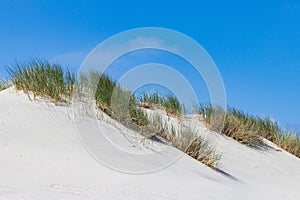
point(42, 157)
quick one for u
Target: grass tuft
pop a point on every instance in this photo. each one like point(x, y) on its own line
point(43, 79)
point(196, 146)
point(250, 130)
point(4, 84)
point(153, 100)
point(117, 102)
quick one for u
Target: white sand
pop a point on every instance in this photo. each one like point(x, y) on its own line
point(41, 157)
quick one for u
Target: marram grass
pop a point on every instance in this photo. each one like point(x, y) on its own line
point(196, 146)
point(43, 79)
point(51, 81)
point(117, 102)
point(4, 84)
point(123, 106)
point(169, 103)
point(250, 130)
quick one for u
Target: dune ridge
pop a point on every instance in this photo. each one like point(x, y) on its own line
point(43, 158)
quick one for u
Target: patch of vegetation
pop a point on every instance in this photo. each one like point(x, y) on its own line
point(118, 103)
point(122, 106)
point(170, 103)
point(104, 92)
point(289, 142)
point(250, 130)
point(154, 128)
point(51, 81)
point(4, 84)
point(43, 79)
point(185, 138)
point(190, 142)
point(138, 116)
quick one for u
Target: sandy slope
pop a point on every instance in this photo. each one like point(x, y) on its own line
point(42, 158)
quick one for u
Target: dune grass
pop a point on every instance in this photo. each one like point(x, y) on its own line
point(235, 124)
point(196, 146)
point(43, 79)
point(169, 103)
point(104, 91)
point(4, 84)
point(289, 142)
point(250, 130)
point(119, 103)
point(113, 100)
point(51, 81)
point(184, 138)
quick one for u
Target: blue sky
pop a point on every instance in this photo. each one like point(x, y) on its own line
point(256, 45)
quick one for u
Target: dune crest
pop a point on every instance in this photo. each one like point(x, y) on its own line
point(43, 158)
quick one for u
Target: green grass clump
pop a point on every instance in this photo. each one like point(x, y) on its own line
point(103, 94)
point(170, 103)
point(43, 79)
point(117, 102)
point(232, 123)
point(138, 116)
point(213, 116)
point(191, 143)
point(154, 128)
point(242, 128)
point(4, 84)
point(268, 129)
point(250, 130)
point(289, 142)
point(184, 138)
